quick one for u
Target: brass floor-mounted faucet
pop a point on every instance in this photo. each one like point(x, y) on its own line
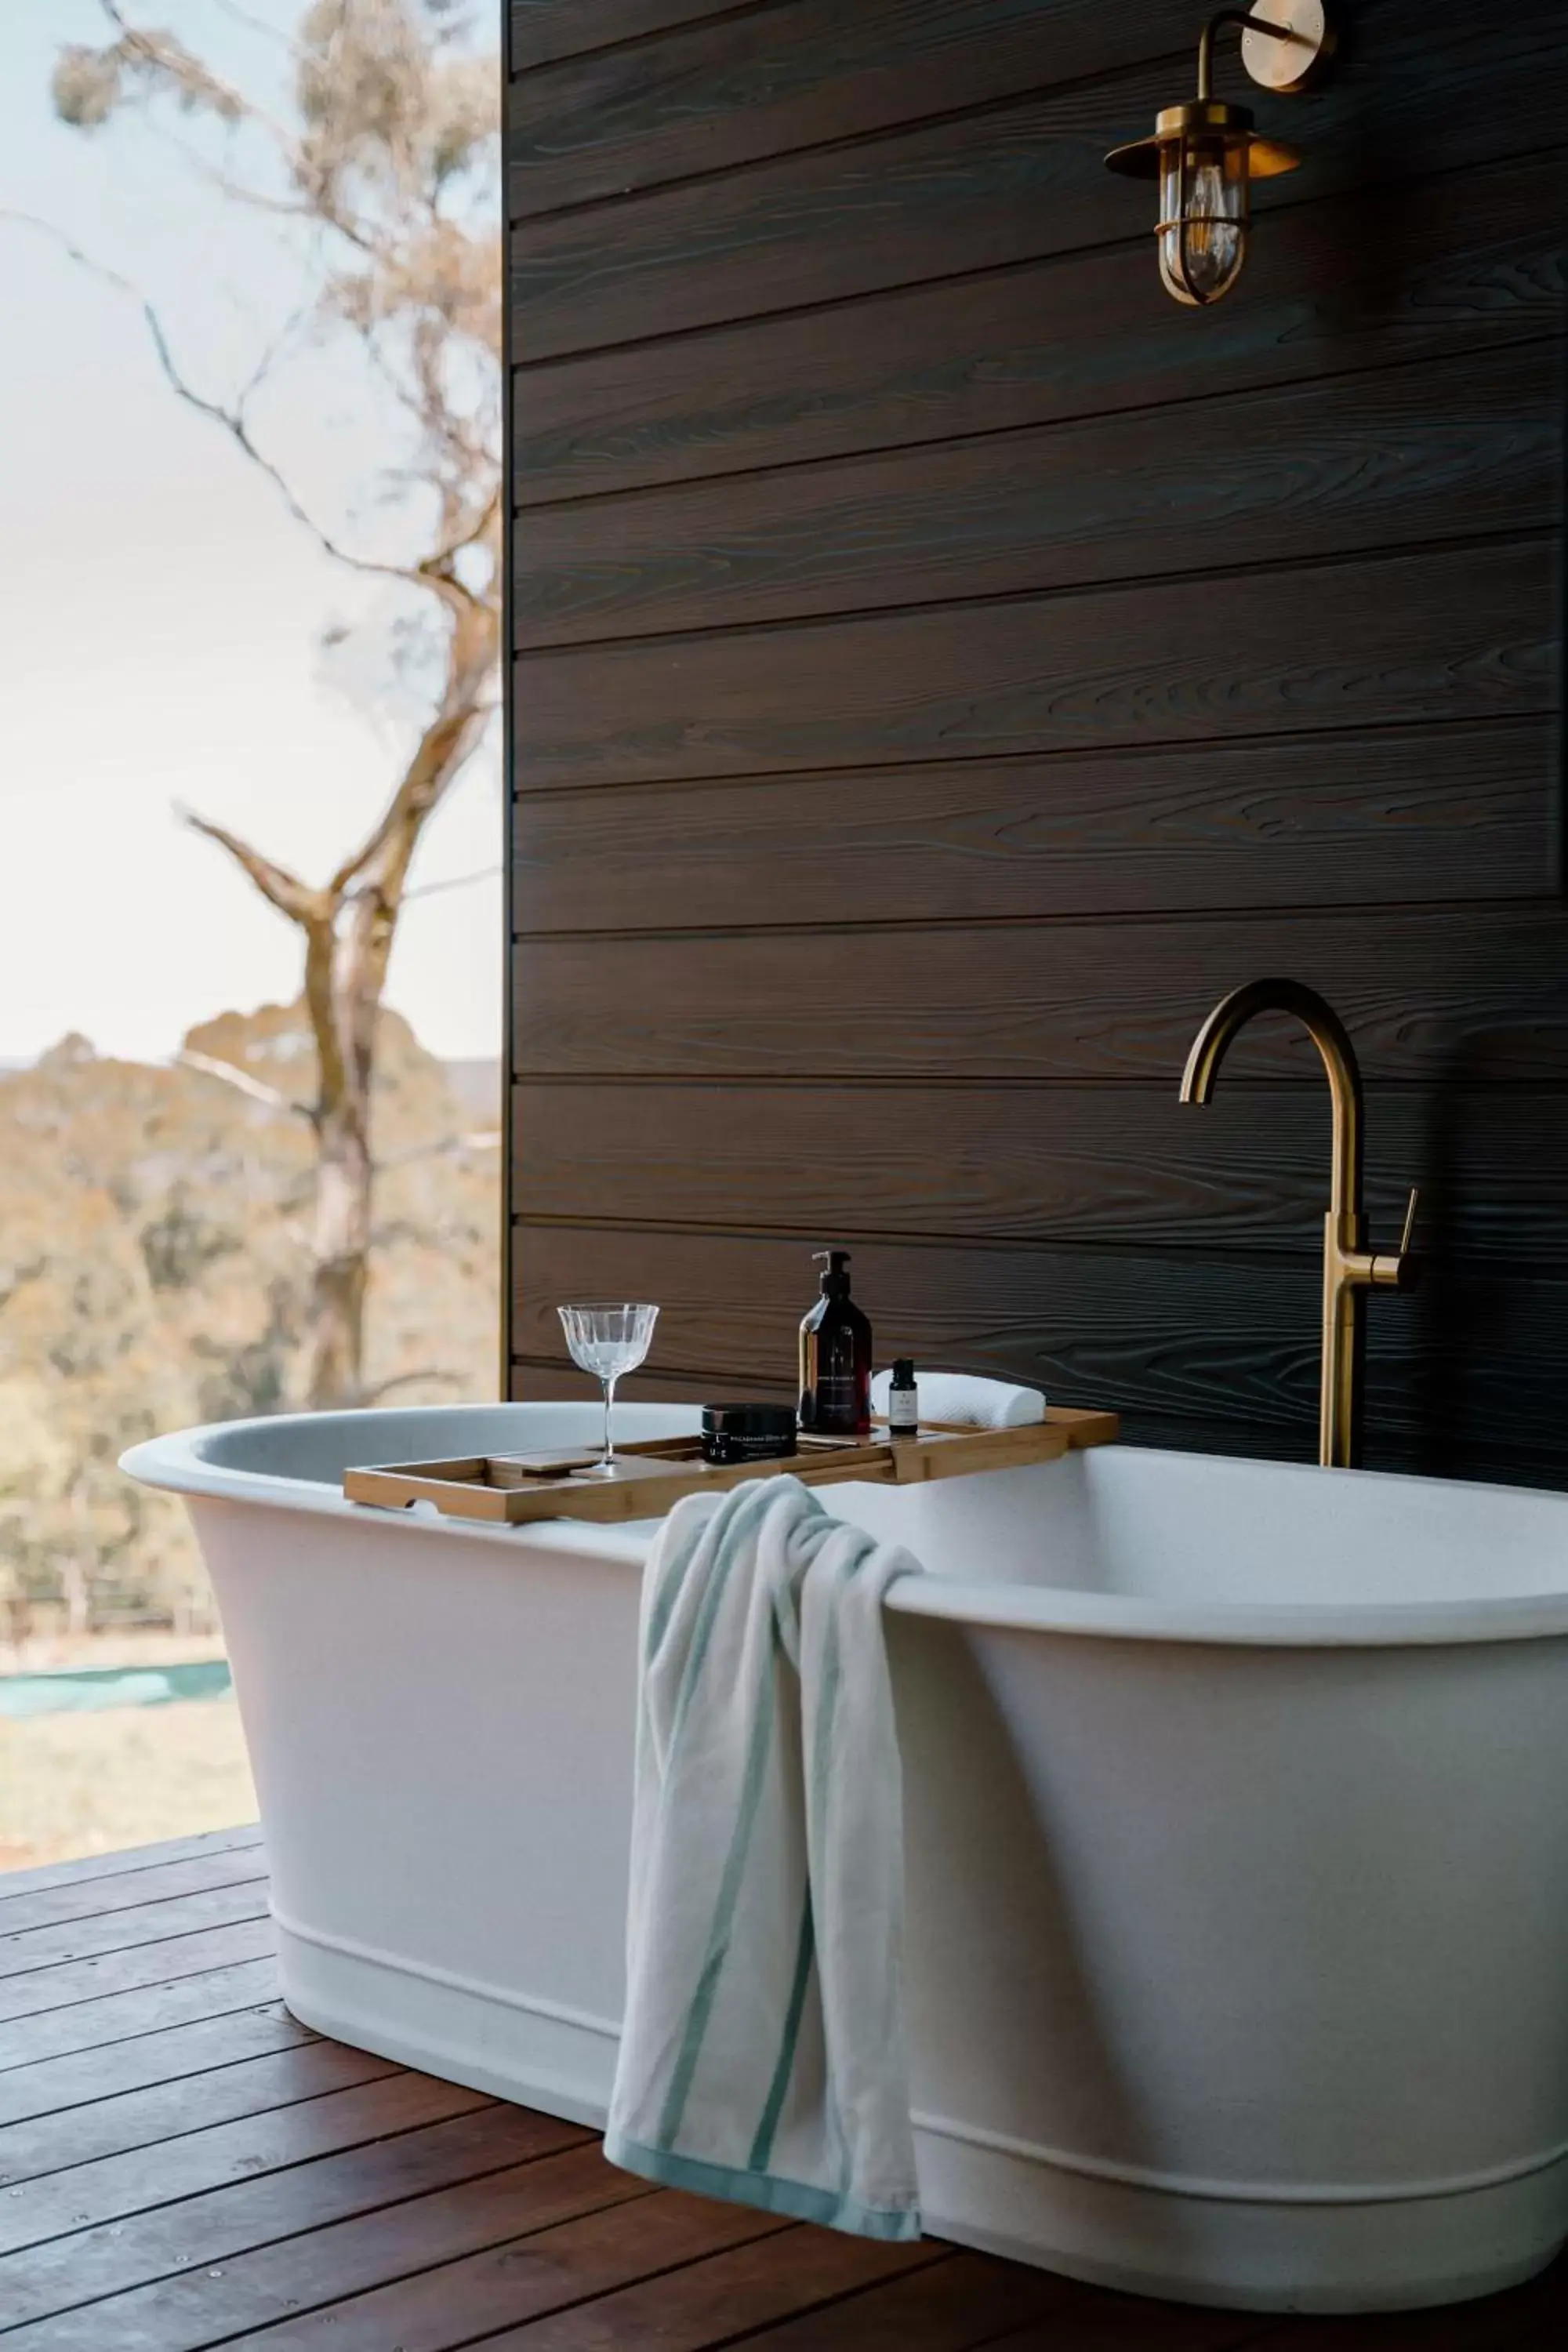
point(1347, 1267)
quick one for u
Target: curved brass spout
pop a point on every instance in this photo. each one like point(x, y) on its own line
point(1332, 1038)
point(1347, 1267)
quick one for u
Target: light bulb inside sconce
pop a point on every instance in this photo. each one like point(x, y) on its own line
point(1205, 209)
point(1206, 155)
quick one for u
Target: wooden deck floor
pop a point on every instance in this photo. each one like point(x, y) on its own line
point(184, 2165)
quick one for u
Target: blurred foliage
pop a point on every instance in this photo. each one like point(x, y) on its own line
point(156, 1268)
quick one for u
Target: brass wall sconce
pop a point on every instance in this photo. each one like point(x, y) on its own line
point(1206, 155)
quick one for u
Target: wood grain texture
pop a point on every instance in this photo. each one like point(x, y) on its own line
point(1451, 636)
point(1015, 184)
point(710, 96)
point(1223, 1342)
point(945, 668)
point(339, 2256)
point(1400, 814)
point(1088, 1166)
point(94, 1898)
point(65, 1984)
point(418, 2155)
point(101, 2143)
point(1464, 448)
point(72, 2028)
point(86, 2195)
point(712, 2303)
point(1424, 1447)
point(28, 1948)
point(1439, 994)
point(958, 2303)
point(539, 31)
point(215, 1843)
point(1463, 262)
point(161, 2055)
point(632, 2236)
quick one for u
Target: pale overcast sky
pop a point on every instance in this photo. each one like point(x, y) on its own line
point(160, 614)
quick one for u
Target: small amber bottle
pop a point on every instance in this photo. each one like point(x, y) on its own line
point(836, 1359)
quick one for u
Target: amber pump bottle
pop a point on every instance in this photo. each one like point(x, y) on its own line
point(836, 1358)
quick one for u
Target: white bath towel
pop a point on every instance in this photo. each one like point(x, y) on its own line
point(968, 1400)
point(762, 2057)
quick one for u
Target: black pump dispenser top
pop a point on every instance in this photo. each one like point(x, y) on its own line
point(835, 1281)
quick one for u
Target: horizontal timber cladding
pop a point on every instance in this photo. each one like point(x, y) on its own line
point(1013, 183)
point(1434, 994)
point(707, 99)
point(1119, 1166)
point(1228, 1340)
point(1454, 633)
point(1464, 262)
point(1417, 1449)
point(539, 30)
point(1461, 811)
point(942, 667)
point(1458, 449)
point(796, 73)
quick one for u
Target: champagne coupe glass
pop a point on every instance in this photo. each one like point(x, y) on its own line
point(607, 1338)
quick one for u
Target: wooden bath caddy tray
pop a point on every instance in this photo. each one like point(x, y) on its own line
point(510, 1488)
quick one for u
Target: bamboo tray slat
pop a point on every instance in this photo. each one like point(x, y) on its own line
point(511, 1489)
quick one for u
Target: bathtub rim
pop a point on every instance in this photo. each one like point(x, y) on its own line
point(175, 1464)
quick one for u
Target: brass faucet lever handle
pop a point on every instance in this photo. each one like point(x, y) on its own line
point(1404, 1237)
point(1399, 1269)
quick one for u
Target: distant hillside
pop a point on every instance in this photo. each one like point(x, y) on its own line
point(476, 1086)
point(153, 1269)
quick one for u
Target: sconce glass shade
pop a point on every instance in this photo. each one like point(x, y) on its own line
point(1204, 208)
point(1204, 155)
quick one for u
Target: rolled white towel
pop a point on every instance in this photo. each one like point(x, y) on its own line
point(963, 1398)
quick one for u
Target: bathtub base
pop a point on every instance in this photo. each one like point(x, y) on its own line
point(1404, 2254)
point(1022, 2202)
point(486, 2036)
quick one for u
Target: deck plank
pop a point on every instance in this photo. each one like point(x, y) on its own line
point(90, 2135)
point(715, 2301)
point(132, 1890)
point(962, 2303)
point(59, 1941)
point(184, 2165)
point(48, 2086)
point(127, 1864)
point(84, 2194)
point(213, 2301)
point(62, 1987)
point(103, 2019)
point(435, 2142)
point(523, 2278)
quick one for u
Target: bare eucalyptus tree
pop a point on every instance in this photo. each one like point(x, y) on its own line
point(381, 161)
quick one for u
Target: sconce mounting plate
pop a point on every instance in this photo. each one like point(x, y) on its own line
point(1293, 64)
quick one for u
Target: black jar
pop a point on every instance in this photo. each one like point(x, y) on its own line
point(733, 1433)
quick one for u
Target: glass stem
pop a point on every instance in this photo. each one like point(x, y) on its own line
point(607, 1458)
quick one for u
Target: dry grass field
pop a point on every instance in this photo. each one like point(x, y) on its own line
point(81, 1784)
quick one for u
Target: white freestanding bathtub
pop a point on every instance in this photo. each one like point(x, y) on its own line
point(1238, 1833)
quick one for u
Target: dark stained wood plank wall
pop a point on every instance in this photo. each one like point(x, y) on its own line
point(942, 666)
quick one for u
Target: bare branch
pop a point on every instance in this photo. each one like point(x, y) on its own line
point(164, 59)
point(284, 891)
point(238, 15)
point(232, 1075)
point(451, 882)
point(425, 575)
